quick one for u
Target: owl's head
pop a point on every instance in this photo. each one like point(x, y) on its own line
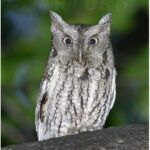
point(82, 43)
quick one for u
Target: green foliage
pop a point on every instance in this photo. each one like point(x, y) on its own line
point(25, 49)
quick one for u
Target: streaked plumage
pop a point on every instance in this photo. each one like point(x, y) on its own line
point(78, 88)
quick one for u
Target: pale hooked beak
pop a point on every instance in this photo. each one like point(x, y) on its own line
point(80, 56)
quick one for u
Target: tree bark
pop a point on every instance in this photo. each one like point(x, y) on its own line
point(130, 137)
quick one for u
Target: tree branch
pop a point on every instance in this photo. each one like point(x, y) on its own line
point(130, 137)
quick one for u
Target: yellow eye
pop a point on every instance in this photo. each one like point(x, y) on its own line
point(93, 41)
point(67, 40)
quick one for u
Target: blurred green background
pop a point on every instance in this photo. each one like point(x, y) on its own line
point(25, 47)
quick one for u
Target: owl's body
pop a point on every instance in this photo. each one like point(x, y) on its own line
point(78, 89)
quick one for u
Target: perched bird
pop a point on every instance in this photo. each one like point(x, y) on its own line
point(78, 88)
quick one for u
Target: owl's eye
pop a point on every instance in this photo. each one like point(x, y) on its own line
point(93, 41)
point(67, 41)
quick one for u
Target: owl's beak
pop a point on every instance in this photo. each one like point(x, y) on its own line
point(80, 56)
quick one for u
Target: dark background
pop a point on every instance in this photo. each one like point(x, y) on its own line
point(25, 47)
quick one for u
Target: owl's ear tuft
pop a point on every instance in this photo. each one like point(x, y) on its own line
point(55, 17)
point(105, 22)
point(105, 19)
point(57, 21)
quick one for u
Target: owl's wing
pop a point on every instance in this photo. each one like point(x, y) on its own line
point(40, 102)
point(42, 99)
point(113, 88)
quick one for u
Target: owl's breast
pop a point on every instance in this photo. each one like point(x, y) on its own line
point(73, 92)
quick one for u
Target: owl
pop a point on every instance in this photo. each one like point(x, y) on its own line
point(78, 88)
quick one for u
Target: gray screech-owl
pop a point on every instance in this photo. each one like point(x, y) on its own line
point(78, 88)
